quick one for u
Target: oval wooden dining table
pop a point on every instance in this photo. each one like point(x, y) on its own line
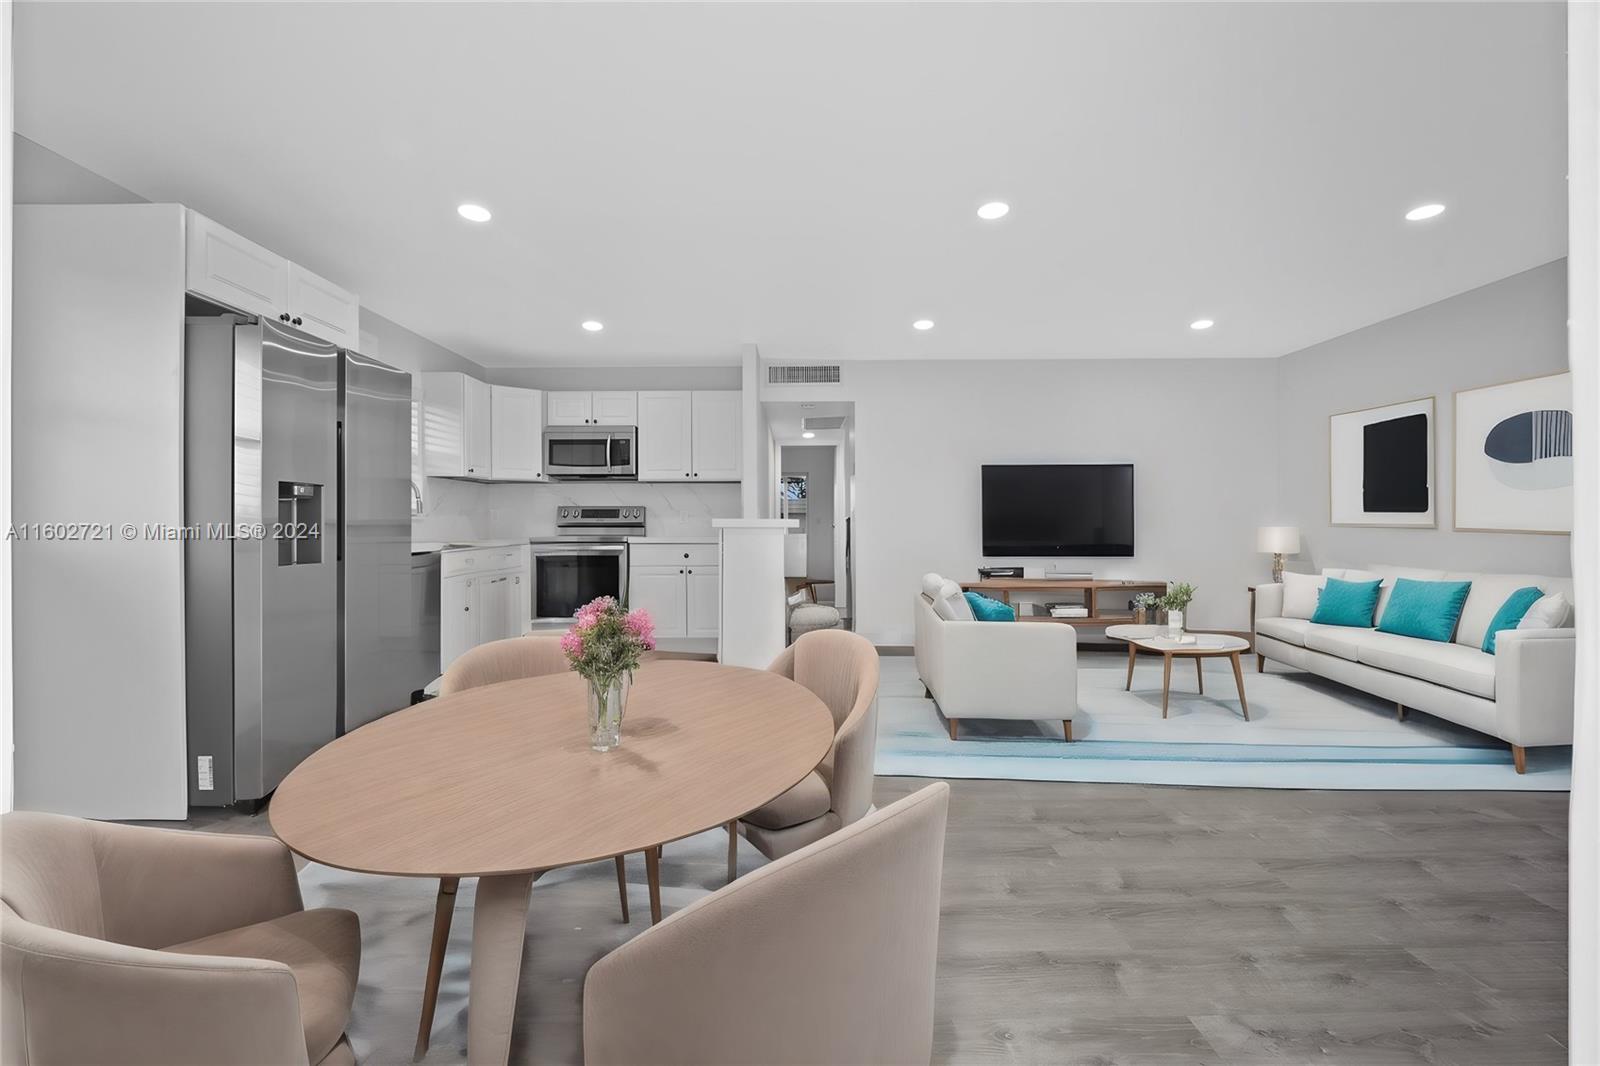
point(499, 783)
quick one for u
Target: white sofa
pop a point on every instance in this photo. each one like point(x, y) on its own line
point(1522, 694)
point(1007, 670)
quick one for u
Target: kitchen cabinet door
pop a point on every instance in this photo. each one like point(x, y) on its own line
point(716, 420)
point(568, 408)
point(497, 618)
point(615, 408)
point(664, 436)
point(460, 617)
point(519, 608)
point(478, 422)
point(444, 428)
point(661, 590)
point(234, 271)
point(702, 601)
point(516, 429)
point(323, 309)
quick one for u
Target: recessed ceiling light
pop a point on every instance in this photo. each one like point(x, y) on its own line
point(1201, 323)
point(594, 327)
point(1417, 214)
point(994, 209)
point(474, 213)
point(922, 324)
point(808, 434)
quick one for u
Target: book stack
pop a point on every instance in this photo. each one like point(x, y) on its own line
point(1068, 610)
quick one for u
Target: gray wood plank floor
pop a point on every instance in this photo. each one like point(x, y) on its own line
point(1144, 925)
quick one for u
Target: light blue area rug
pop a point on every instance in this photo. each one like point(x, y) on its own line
point(1304, 732)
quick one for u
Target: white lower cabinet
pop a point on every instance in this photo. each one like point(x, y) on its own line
point(679, 585)
point(483, 596)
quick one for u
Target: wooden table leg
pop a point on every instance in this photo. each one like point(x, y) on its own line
point(1199, 674)
point(1238, 677)
point(733, 850)
point(444, 909)
point(1166, 682)
point(499, 927)
point(1133, 652)
point(652, 871)
point(622, 887)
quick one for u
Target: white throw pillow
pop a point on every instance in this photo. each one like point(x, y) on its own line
point(1300, 593)
point(951, 605)
point(1547, 612)
point(930, 585)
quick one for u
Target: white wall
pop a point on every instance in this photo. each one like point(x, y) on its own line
point(1204, 474)
point(1513, 328)
point(6, 101)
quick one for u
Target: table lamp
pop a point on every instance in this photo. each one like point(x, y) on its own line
point(1280, 541)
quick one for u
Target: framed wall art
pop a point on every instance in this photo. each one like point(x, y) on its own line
point(1513, 457)
point(1381, 464)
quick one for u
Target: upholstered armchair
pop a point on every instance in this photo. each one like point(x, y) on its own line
point(842, 669)
point(826, 955)
point(134, 946)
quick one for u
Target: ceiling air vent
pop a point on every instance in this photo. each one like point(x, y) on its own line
point(823, 423)
point(804, 374)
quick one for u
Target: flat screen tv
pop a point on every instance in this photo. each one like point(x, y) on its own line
point(1058, 510)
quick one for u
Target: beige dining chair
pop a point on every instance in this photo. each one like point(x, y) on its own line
point(489, 664)
point(826, 955)
point(154, 947)
point(841, 668)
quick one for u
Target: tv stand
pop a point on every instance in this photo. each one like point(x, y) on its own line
point(1001, 588)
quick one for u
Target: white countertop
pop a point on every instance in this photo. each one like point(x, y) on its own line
point(672, 540)
point(755, 523)
point(418, 546)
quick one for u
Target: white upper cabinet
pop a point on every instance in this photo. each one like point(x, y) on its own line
point(455, 425)
point(322, 309)
point(664, 436)
point(516, 421)
point(235, 271)
point(591, 408)
point(716, 419)
point(479, 412)
point(568, 408)
point(616, 408)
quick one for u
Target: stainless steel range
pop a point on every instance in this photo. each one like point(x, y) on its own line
point(587, 558)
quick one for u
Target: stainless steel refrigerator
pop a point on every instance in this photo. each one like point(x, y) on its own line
point(297, 559)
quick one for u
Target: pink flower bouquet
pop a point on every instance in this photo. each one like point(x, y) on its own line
point(604, 647)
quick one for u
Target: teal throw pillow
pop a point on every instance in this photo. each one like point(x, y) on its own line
point(1426, 609)
point(986, 610)
point(1510, 613)
point(1346, 603)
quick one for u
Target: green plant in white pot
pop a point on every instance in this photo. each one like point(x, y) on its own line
point(1176, 601)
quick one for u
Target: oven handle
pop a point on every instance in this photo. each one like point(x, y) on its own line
point(580, 549)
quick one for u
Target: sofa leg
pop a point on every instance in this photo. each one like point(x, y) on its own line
point(952, 722)
point(1399, 712)
point(1261, 664)
point(1519, 755)
point(1066, 729)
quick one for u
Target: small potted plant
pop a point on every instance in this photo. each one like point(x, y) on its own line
point(604, 646)
point(1176, 601)
point(1144, 608)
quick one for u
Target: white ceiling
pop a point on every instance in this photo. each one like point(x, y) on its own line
point(804, 176)
point(786, 421)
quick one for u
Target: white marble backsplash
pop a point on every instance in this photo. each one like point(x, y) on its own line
point(671, 510)
point(452, 511)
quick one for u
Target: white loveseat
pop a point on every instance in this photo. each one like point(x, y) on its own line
point(1522, 694)
point(1009, 670)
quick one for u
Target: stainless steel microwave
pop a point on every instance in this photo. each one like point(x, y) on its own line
point(592, 452)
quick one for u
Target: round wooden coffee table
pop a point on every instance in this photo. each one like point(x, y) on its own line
point(1153, 640)
point(500, 783)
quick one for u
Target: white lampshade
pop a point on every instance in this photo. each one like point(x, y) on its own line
point(1276, 540)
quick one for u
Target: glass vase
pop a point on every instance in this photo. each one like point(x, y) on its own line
point(606, 706)
point(1174, 624)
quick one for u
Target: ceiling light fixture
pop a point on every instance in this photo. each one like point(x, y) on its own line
point(993, 210)
point(594, 327)
point(923, 324)
point(1201, 323)
point(474, 213)
point(808, 434)
point(1426, 211)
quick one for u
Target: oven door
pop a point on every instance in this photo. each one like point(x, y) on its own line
point(567, 576)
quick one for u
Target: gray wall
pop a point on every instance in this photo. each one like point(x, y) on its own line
point(44, 177)
point(816, 462)
point(560, 378)
point(1197, 431)
point(1514, 328)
